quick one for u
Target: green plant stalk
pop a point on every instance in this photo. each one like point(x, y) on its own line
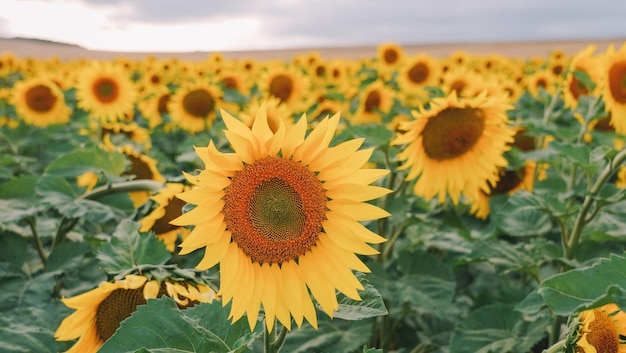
point(67, 224)
point(546, 118)
point(581, 219)
point(280, 340)
point(32, 223)
point(268, 338)
point(555, 348)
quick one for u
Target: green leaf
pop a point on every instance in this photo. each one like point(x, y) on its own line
point(522, 215)
point(589, 287)
point(497, 328)
point(32, 329)
point(20, 288)
point(13, 249)
point(417, 278)
point(370, 305)
point(96, 160)
point(331, 336)
point(371, 350)
point(161, 325)
point(128, 249)
point(19, 188)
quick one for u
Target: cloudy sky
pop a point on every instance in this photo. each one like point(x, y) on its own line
point(210, 25)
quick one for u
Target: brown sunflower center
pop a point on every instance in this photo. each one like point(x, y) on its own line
point(617, 81)
point(390, 56)
point(509, 180)
point(602, 333)
point(162, 103)
point(577, 88)
point(274, 209)
point(138, 167)
point(172, 210)
point(40, 98)
point(105, 90)
point(281, 87)
point(230, 82)
point(452, 132)
point(198, 103)
point(418, 73)
point(115, 308)
point(458, 86)
point(372, 101)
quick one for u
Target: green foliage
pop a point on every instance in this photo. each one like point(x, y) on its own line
point(160, 325)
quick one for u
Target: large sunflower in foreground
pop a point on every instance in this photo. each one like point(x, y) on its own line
point(456, 146)
point(281, 216)
point(39, 102)
point(614, 87)
point(100, 311)
point(602, 330)
point(106, 91)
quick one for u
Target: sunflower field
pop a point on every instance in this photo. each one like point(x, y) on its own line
point(399, 203)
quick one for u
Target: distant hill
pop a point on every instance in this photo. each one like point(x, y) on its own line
point(45, 41)
point(43, 49)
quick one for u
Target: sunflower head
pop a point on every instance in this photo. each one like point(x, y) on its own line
point(40, 102)
point(456, 135)
point(601, 330)
point(281, 217)
point(100, 311)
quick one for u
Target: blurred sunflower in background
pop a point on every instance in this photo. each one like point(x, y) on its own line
point(614, 86)
point(456, 146)
point(583, 62)
point(285, 83)
point(39, 101)
point(374, 100)
point(106, 91)
point(100, 311)
point(193, 106)
point(168, 207)
point(280, 215)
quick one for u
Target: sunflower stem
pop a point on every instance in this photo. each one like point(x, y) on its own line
point(32, 223)
point(280, 340)
point(268, 338)
point(582, 219)
point(557, 347)
point(392, 241)
point(122, 187)
point(546, 119)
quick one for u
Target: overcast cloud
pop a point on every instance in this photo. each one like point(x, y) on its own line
point(311, 23)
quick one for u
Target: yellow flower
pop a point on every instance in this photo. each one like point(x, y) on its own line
point(100, 311)
point(375, 99)
point(193, 106)
point(38, 101)
point(456, 146)
point(614, 87)
point(106, 91)
point(168, 208)
point(281, 217)
point(602, 330)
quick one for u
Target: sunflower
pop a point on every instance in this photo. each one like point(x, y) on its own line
point(584, 62)
point(540, 80)
point(287, 84)
point(457, 145)
point(280, 215)
point(276, 112)
point(418, 72)
point(100, 311)
point(154, 106)
point(106, 91)
point(375, 99)
point(141, 166)
point(130, 133)
point(39, 102)
point(193, 106)
point(168, 208)
point(462, 81)
point(602, 330)
point(614, 87)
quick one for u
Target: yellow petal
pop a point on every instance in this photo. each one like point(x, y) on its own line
point(253, 307)
point(357, 192)
point(229, 268)
point(361, 176)
point(294, 137)
point(358, 211)
point(348, 167)
point(347, 240)
point(243, 291)
point(261, 129)
point(203, 235)
point(356, 229)
point(268, 296)
point(213, 253)
point(235, 125)
point(243, 147)
point(320, 288)
point(335, 155)
point(282, 308)
point(293, 286)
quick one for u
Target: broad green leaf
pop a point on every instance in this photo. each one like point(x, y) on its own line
point(13, 249)
point(508, 257)
point(370, 305)
point(417, 278)
point(20, 288)
point(371, 350)
point(19, 188)
point(95, 160)
point(31, 329)
point(161, 325)
point(584, 288)
point(129, 248)
point(331, 336)
point(532, 304)
point(497, 328)
point(522, 215)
